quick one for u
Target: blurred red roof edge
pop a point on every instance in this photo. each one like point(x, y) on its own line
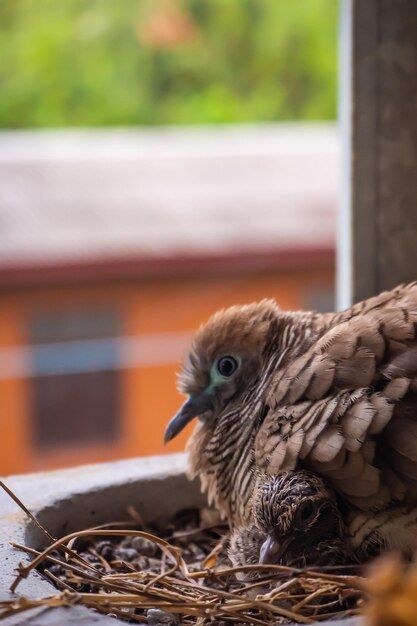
point(136, 267)
point(128, 204)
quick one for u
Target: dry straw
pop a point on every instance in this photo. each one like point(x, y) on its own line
point(209, 593)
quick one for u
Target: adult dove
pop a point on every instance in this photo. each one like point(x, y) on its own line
point(334, 393)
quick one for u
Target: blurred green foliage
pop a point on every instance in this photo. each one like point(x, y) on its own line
point(128, 62)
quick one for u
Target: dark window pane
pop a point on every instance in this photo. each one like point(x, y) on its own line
point(73, 325)
point(75, 387)
point(75, 409)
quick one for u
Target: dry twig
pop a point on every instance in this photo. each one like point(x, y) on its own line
point(122, 572)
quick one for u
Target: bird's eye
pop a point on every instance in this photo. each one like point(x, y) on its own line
point(306, 512)
point(227, 366)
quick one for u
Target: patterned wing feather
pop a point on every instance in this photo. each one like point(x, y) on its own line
point(342, 401)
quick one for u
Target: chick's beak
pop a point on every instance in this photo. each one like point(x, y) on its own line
point(272, 550)
point(196, 405)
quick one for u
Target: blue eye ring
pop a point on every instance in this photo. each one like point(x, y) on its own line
point(227, 365)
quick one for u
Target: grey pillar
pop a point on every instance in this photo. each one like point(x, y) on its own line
point(378, 225)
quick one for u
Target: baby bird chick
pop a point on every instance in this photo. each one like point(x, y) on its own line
point(296, 523)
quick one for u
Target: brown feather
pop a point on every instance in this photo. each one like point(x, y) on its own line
point(402, 365)
point(327, 445)
point(356, 422)
point(354, 466)
point(292, 450)
point(383, 413)
point(330, 467)
point(368, 484)
point(375, 502)
point(397, 388)
point(358, 371)
point(321, 380)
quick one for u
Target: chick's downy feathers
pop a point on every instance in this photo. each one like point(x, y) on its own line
point(295, 522)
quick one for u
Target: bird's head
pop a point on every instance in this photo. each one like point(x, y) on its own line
point(225, 357)
point(301, 520)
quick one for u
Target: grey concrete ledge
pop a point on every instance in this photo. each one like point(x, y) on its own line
point(81, 497)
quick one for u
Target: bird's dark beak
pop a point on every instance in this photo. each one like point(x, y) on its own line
point(272, 550)
point(190, 409)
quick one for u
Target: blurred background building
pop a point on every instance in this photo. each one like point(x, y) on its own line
point(159, 160)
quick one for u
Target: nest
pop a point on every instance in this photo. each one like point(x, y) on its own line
point(178, 571)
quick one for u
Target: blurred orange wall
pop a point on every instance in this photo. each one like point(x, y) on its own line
point(148, 393)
